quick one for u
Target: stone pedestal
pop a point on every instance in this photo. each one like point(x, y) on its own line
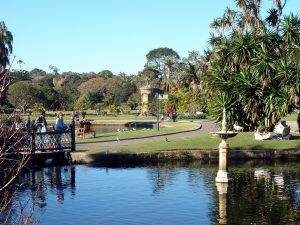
point(223, 174)
point(222, 189)
point(145, 92)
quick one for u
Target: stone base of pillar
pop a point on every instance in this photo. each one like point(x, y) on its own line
point(223, 177)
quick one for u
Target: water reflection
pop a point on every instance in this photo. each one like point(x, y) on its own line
point(222, 190)
point(177, 193)
point(56, 179)
point(264, 195)
point(160, 177)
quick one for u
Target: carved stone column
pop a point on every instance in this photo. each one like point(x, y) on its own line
point(223, 174)
point(145, 92)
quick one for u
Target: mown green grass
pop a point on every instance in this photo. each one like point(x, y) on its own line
point(290, 117)
point(166, 128)
point(243, 141)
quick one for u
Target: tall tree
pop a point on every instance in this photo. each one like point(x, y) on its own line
point(53, 69)
point(162, 59)
point(20, 62)
point(24, 94)
point(6, 40)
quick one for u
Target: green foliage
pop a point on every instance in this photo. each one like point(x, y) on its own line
point(161, 60)
point(254, 74)
point(191, 116)
point(156, 56)
point(82, 103)
point(134, 100)
point(113, 109)
point(37, 108)
point(19, 75)
point(106, 74)
point(24, 94)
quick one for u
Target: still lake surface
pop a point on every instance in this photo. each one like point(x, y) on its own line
point(177, 193)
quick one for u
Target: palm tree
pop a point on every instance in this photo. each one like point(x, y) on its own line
point(20, 62)
point(189, 71)
point(6, 40)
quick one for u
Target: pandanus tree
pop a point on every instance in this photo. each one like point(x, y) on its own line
point(255, 67)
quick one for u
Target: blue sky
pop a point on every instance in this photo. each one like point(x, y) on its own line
point(93, 35)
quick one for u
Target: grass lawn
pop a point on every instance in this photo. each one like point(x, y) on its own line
point(290, 117)
point(166, 127)
point(243, 141)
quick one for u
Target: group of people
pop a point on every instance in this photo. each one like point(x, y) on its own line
point(40, 124)
point(172, 113)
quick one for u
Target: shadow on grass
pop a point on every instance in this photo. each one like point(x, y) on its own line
point(295, 137)
point(262, 147)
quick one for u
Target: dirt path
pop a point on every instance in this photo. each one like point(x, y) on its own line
point(207, 126)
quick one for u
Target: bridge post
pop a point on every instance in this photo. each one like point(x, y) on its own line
point(73, 143)
point(33, 143)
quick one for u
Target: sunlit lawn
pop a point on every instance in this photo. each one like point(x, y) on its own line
point(291, 117)
point(243, 141)
point(166, 127)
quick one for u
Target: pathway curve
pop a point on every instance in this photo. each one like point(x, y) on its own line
point(207, 126)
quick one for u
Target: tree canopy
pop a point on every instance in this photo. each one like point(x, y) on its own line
point(255, 66)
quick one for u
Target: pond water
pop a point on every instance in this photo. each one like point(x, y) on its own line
point(174, 193)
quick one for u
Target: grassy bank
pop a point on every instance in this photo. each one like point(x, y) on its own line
point(165, 128)
point(243, 141)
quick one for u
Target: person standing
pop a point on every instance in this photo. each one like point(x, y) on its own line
point(174, 115)
point(18, 124)
point(168, 111)
point(40, 126)
point(59, 127)
point(59, 123)
point(41, 123)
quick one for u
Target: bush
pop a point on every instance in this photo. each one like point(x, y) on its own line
point(191, 116)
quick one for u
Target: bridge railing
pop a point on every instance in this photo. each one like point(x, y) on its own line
point(54, 141)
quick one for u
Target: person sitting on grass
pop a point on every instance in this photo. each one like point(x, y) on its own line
point(262, 133)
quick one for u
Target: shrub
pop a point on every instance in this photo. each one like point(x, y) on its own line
point(191, 116)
